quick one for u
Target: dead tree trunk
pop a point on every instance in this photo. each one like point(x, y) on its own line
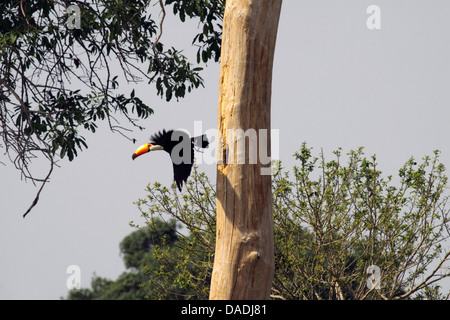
point(244, 261)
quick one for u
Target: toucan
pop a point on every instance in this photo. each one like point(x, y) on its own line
point(180, 148)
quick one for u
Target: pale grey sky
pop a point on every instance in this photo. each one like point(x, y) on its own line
point(336, 84)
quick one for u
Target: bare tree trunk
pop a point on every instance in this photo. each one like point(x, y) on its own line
point(244, 261)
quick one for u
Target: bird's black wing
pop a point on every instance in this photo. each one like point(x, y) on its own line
point(174, 142)
point(181, 171)
point(163, 138)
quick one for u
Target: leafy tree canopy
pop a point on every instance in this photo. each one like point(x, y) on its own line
point(335, 222)
point(138, 254)
point(62, 65)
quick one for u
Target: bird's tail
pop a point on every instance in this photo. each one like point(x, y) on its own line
point(201, 141)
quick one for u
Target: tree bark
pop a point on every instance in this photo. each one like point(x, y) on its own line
point(244, 255)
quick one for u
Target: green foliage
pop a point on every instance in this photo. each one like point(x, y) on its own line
point(332, 227)
point(126, 287)
point(58, 79)
point(332, 220)
point(136, 246)
point(138, 250)
point(210, 14)
point(184, 270)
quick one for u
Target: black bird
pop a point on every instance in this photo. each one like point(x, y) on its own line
point(175, 143)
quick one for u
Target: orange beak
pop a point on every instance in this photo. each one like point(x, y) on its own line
point(141, 150)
